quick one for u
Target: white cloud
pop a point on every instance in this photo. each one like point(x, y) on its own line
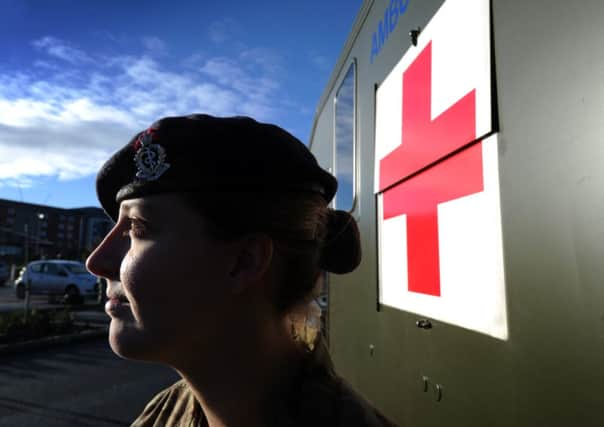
point(59, 49)
point(195, 61)
point(64, 118)
point(243, 79)
point(154, 45)
point(21, 183)
point(46, 65)
point(24, 112)
point(223, 70)
point(266, 59)
point(71, 163)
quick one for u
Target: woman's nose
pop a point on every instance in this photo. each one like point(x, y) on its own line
point(106, 259)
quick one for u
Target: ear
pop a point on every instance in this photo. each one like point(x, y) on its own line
point(253, 260)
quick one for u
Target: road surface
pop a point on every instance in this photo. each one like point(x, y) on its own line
point(82, 385)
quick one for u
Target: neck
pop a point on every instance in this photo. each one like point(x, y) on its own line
point(244, 375)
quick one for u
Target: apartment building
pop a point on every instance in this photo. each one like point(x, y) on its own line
point(30, 231)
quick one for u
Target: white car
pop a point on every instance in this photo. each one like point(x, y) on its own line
point(69, 279)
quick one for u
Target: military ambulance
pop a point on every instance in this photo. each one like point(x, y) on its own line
point(468, 139)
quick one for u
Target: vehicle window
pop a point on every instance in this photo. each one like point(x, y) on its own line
point(75, 268)
point(36, 268)
point(51, 269)
point(344, 163)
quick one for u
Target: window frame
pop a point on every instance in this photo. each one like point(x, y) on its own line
point(354, 200)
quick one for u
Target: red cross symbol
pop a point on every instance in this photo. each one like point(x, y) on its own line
point(425, 142)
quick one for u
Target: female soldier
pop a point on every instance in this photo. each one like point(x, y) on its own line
point(222, 231)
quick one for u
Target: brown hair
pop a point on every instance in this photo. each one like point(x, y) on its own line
point(308, 236)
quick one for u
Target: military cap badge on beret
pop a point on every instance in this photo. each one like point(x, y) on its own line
point(150, 158)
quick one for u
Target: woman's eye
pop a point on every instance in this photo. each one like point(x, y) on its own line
point(135, 228)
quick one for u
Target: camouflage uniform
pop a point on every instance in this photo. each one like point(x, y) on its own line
point(318, 398)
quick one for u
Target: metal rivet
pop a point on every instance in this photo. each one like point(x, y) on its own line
point(371, 349)
point(425, 380)
point(414, 34)
point(439, 392)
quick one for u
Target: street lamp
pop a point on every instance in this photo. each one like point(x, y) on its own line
point(41, 216)
point(26, 243)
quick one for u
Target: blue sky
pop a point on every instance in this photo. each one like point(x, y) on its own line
point(79, 78)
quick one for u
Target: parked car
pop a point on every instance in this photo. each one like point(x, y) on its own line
point(68, 279)
point(4, 272)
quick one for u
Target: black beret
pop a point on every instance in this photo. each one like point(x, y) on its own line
point(201, 153)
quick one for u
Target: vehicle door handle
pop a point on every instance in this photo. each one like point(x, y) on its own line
point(423, 324)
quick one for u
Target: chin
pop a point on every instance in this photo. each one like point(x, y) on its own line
point(130, 342)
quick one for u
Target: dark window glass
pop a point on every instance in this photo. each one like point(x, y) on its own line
point(76, 268)
point(51, 269)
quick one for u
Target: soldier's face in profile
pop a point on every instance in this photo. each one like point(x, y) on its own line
point(166, 277)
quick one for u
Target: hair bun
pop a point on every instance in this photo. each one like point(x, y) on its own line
point(342, 248)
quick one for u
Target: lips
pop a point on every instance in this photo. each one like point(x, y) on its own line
point(117, 304)
point(121, 298)
point(118, 298)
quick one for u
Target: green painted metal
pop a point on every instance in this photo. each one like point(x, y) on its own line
point(550, 100)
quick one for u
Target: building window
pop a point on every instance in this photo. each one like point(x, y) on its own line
point(344, 160)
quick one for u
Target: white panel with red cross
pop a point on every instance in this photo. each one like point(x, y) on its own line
point(440, 247)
